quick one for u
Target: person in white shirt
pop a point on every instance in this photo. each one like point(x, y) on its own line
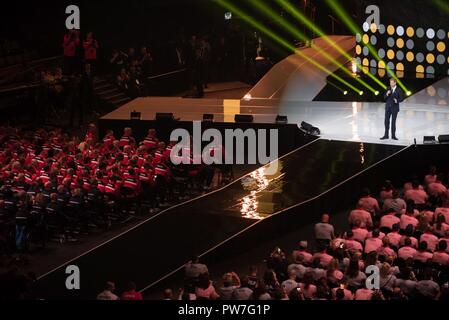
point(108, 292)
point(290, 284)
point(193, 269)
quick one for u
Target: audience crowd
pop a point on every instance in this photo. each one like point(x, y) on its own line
point(402, 235)
point(56, 186)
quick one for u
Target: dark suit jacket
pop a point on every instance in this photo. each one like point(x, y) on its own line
point(398, 95)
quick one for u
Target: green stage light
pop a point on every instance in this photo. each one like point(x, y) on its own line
point(344, 16)
point(296, 33)
point(345, 92)
point(361, 93)
point(376, 93)
point(302, 18)
point(244, 16)
point(409, 93)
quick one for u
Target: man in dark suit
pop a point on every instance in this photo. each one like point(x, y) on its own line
point(393, 97)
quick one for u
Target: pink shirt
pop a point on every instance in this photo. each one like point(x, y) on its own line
point(444, 212)
point(423, 256)
point(412, 239)
point(369, 204)
point(325, 259)
point(353, 245)
point(418, 196)
point(406, 220)
point(386, 251)
point(308, 257)
point(310, 292)
point(435, 189)
point(441, 258)
point(362, 215)
point(372, 244)
point(347, 294)
point(394, 238)
point(431, 239)
point(388, 221)
point(363, 294)
point(360, 234)
point(406, 253)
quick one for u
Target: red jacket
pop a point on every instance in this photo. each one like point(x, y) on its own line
point(70, 45)
point(90, 49)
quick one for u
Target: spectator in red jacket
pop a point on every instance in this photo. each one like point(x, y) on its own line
point(70, 44)
point(90, 46)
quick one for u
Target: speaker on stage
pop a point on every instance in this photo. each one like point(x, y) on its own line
point(444, 138)
point(134, 115)
point(309, 129)
point(208, 117)
point(241, 118)
point(162, 116)
point(281, 119)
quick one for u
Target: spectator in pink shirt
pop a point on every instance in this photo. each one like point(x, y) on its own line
point(302, 250)
point(394, 236)
point(362, 215)
point(388, 220)
point(441, 227)
point(431, 177)
point(374, 243)
point(386, 250)
point(422, 255)
point(360, 233)
point(416, 194)
point(444, 210)
point(407, 252)
point(368, 203)
point(408, 233)
point(408, 217)
point(324, 258)
point(437, 188)
point(387, 191)
point(351, 244)
point(364, 294)
point(440, 256)
point(446, 239)
point(307, 287)
point(430, 239)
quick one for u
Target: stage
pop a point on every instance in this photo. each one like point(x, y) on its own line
point(289, 89)
point(344, 121)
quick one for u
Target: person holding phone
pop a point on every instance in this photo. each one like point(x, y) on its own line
point(393, 96)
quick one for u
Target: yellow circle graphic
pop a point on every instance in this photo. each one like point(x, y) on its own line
point(365, 39)
point(400, 43)
point(373, 27)
point(400, 67)
point(358, 49)
point(382, 64)
point(430, 58)
point(390, 54)
point(420, 69)
point(390, 30)
point(410, 56)
point(441, 46)
point(365, 62)
point(410, 32)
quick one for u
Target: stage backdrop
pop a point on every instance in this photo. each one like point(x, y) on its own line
point(412, 37)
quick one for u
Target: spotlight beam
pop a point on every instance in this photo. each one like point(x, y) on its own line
point(295, 32)
point(281, 41)
point(302, 18)
point(355, 29)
